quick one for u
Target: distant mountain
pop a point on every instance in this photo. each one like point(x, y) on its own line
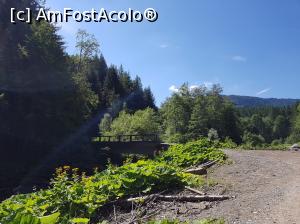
point(250, 101)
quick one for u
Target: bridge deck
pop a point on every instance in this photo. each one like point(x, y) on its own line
point(136, 144)
point(128, 138)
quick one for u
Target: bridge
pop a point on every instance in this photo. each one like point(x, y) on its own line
point(147, 144)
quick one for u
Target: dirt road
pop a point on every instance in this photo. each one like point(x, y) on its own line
point(266, 186)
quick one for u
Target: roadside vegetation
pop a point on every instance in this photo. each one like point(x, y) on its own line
point(77, 198)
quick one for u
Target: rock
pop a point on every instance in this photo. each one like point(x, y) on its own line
point(295, 147)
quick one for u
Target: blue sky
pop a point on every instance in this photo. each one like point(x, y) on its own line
point(250, 47)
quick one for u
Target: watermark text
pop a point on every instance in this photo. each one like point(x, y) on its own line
point(92, 15)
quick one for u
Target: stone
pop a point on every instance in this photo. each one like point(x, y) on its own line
point(295, 147)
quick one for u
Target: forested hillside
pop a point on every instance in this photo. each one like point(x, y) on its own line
point(190, 114)
point(250, 101)
point(50, 100)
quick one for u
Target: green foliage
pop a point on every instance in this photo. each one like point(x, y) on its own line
point(227, 144)
point(73, 195)
point(176, 113)
point(80, 221)
point(86, 44)
point(50, 99)
point(142, 122)
point(193, 153)
point(189, 114)
point(25, 219)
point(213, 135)
point(253, 140)
point(295, 133)
point(105, 124)
point(277, 144)
point(50, 219)
point(31, 219)
point(75, 198)
point(266, 124)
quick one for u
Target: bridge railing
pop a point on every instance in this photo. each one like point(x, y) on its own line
point(127, 138)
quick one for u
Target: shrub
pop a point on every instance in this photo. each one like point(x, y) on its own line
point(192, 153)
point(253, 140)
point(227, 144)
point(277, 142)
point(213, 135)
point(75, 196)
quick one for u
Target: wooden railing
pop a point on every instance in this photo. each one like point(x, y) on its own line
point(127, 138)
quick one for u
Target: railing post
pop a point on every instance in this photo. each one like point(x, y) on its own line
point(119, 138)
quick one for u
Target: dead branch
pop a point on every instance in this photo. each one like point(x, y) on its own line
point(202, 169)
point(196, 198)
point(208, 164)
point(194, 190)
point(197, 171)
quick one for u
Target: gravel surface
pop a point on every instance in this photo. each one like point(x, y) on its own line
point(265, 184)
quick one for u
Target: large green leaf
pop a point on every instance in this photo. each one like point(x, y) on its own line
point(80, 221)
point(25, 219)
point(50, 219)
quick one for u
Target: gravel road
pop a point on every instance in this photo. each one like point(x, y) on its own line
point(266, 186)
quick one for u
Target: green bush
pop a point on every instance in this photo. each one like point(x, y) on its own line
point(277, 142)
point(213, 135)
point(193, 153)
point(75, 196)
point(227, 144)
point(253, 140)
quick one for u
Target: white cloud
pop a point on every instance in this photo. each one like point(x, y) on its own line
point(208, 84)
point(263, 91)
point(164, 46)
point(239, 58)
point(194, 87)
point(173, 88)
point(69, 28)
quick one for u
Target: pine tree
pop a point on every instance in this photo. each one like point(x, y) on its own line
point(149, 100)
point(198, 124)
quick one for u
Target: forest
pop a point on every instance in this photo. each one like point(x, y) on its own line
point(51, 100)
point(52, 104)
point(191, 114)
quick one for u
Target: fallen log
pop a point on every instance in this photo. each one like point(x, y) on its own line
point(196, 198)
point(197, 171)
point(208, 164)
point(202, 169)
